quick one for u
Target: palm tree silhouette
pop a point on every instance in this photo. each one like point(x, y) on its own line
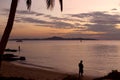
point(6, 34)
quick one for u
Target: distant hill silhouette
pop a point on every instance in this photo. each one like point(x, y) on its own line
point(55, 38)
point(61, 38)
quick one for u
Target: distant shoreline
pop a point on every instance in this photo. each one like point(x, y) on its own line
point(53, 38)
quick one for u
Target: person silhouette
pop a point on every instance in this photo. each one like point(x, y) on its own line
point(81, 66)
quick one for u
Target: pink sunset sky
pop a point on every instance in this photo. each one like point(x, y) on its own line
point(98, 19)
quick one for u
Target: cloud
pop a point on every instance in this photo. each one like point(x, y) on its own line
point(114, 9)
point(98, 22)
point(53, 24)
point(29, 12)
point(25, 12)
point(35, 18)
point(32, 20)
point(101, 22)
point(65, 25)
point(65, 18)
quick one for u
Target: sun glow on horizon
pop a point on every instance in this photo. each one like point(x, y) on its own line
point(92, 32)
point(117, 26)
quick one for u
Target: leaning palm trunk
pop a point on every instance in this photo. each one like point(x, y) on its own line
point(5, 37)
point(8, 28)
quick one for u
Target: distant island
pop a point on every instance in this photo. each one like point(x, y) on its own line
point(54, 38)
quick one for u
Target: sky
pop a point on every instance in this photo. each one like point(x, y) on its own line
point(98, 19)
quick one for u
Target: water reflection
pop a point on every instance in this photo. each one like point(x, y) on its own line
point(98, 56)
point(104, 57)
point(103, 49)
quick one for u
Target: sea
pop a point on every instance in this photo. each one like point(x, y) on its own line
point(99, 56)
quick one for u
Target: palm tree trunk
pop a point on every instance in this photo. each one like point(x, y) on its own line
point(8, 28)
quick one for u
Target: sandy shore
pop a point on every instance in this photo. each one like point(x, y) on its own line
point(12, 70)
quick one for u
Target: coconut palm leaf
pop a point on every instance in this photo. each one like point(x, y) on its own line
point(8, 29)
point(61, 4)
point(50, 4)
point(28, 2)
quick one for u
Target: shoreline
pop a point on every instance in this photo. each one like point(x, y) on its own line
point(11, 70)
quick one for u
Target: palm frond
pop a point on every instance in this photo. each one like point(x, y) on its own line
point(28, 2)
point(50, 4)
point(61, 4)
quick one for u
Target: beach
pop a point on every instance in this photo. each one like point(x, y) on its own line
point(55, 60)
point(11, 70)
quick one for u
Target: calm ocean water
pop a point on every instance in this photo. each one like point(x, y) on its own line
point(99, 57)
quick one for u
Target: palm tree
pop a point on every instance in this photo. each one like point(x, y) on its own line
point(5, 37)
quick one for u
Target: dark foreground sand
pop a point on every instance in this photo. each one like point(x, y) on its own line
point(12, 70)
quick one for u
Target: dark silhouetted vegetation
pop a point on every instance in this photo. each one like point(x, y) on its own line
point(54, 38)
point(114, 75)
point(71, 77)
point(13, 78)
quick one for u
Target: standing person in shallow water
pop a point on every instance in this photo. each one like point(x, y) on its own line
point(81, 68)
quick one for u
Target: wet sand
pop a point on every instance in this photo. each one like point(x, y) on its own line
point(11, 70)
